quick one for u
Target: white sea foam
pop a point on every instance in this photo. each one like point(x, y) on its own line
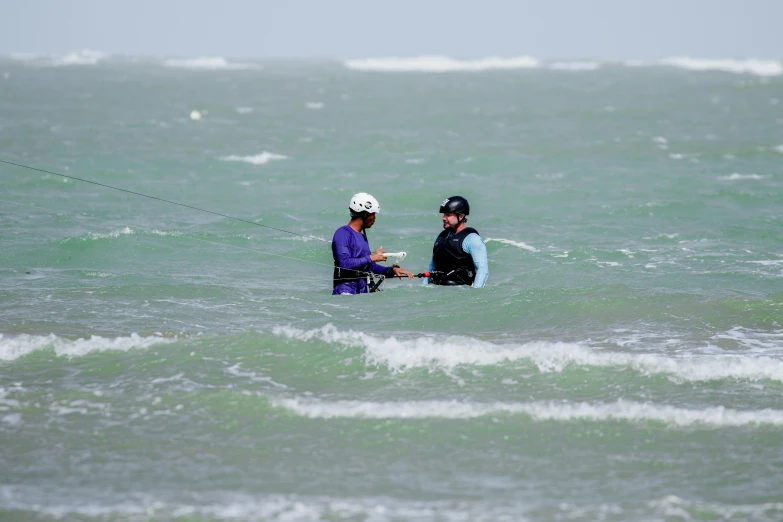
point(672, 507)
point(244, 110)
point(749, 66)
point(79, 406)
point(448, 352)
point(258, 159)
point(314, 105)
point(210, 63)
point(730, 343)
point(574, 66)
point(663, 236)
point(757, 341)
point(266, 508)
point(237, 371)
point(778, 148)
point(768, 262)
point(83, 57)
point(14, 346)
point(756, 67)
point(440, 64)
point(542, 411)
point(156, 232)
point(12, 418)
point(517, 244)
point(301, 508)
point(125, 231)
point(736, 177)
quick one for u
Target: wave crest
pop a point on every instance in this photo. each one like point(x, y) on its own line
point(440, 64)
point(290, 508)
point(83, 57)
point(749, 66)
point(210, 63)
point(258, 159)
point(541, 411)
point(448, 352)
point(737, 176)
point(518, 244)
point(16, 346)
point(574, 66)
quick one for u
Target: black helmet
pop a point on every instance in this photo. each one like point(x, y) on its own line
point(456, 204)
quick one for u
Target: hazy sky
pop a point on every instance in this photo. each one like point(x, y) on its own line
point(609, 29)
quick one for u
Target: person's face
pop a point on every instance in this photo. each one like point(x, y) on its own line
point(370, 221)
point(450, 220)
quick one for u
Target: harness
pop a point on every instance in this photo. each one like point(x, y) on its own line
point(342, 275)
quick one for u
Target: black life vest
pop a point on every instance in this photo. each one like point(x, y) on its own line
point(452, 265)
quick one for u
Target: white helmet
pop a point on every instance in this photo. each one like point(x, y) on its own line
point(363, 202)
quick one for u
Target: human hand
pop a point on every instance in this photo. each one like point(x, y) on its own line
point(399, 272)
point(378, 255)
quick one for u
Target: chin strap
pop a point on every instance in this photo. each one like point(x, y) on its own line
point(365, 215)
point(460, 220)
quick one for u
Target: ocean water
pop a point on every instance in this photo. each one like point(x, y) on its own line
point(624, 362)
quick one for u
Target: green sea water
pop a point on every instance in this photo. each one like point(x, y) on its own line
point(624, 362)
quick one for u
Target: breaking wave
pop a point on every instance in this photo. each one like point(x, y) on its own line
point(83, 57)
point(210, 63)
point(440, 64)
point(258, 159)
point(13, 347)
point(543, 411)
point(449, 352)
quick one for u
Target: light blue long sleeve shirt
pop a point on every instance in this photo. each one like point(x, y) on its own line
point(474, 246)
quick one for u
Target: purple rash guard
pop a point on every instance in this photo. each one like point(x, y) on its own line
point(351, 251)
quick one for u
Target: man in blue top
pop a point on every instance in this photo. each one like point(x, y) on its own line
point(353, 262)
point(459, 256)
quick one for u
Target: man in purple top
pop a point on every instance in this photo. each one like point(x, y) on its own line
point(353, 262)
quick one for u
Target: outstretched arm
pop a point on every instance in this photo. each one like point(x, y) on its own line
point(474, 246)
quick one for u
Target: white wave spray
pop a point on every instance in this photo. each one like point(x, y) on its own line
point(542, 411)
point(258, 159)
point(518, 244)
point(13, 347)
point(440, 64)
point(447, 353)
point(83, 57)
point(210, 63)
